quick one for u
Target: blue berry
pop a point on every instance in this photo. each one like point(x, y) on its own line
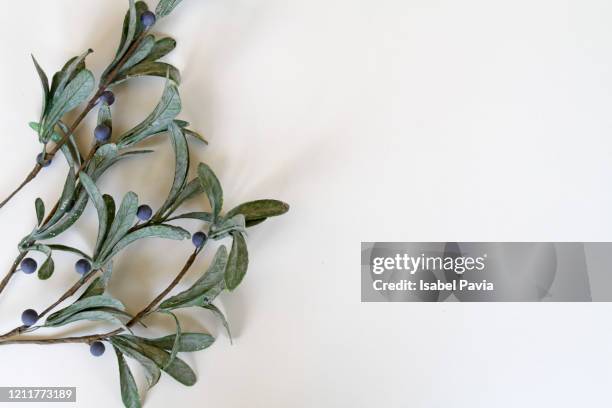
point(97, 348)
point(148, 19)
point(43, 162)
point(102, 133)
point(199, 239)
point(107, 97)
point(82, 266)
point(29, 317)
point(28, 266)
point(144, 213)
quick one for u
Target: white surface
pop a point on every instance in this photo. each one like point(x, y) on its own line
point(377, 120)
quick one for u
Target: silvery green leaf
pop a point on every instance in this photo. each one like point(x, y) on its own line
point(98, 201)
point(211, 186)
point(144, 48)
point(129, 390)
point(109, 201)
point(199, 215)
point(208, 280)
point(192, 189)
point(221, 317)
point(195, 135)
point(77, 91)
point(165, 7)
point(45, 85)
point(188, 342)
point(130, 31)
point(177, 369)
point(228, 226)
point(259, 210)
point(70, 148)
point(48, 266)
point(153, 231)
point(103, 155)
point(40, 210)
point(124, 220)
point(167, 109)
point(70, 72)
point(161, 48)
point(150, 68)
point(98, 286)
point(92, 302)
point(112, 160)
point(66, 248)
point(106, 314)
point(181, 166)
point(237, 263)
point(177, 339)
point(152, 372)
point(65, 222)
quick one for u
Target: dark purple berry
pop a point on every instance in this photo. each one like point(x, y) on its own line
point(97, 348)
point(199, 239)
point(102, 133)
point(144, 213)
point(44, 163)
point(28, 266)
point(82, 266)
point(107, 97)
point(148, 19)
point(29, 317)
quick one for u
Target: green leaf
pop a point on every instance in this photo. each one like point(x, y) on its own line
point(77, 91)
point(129, 390)
point(228, 226)
point(167, 109)
point(144, 48)
point(101, 208)
point(192, 189)
point(158, 231)
point(165, 7)
point(47, 268)
point(45, 85)
point(66, 248)
point(130, 33)
point(188, 342)
point(68, 73)
point(181, 166)
point(152, 372)
point(150, 68)
point(40, 210)
point(237, 263)
point(199, 215)
point(177, 369)
point(195, 135)
point(221, 317)
point(98, 286)
point(124, 220)
point(211, 186)
point(109, 201)
point(107, 314)
point(70, 148)
point(92, 302)
point(259, 211)
point(161, 48)
point(211, 278)
point(177, 339)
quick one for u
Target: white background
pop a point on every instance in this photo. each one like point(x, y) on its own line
point(376, 120)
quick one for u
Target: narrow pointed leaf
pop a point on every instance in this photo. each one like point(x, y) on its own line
point(44, 81)
point(100, 205)
point(150, 68)
point(84, 304)
point(66, 248)
point(177, 339)
point(259, 210)
point(199, 215)
point(181, 165)
point(165, 7)
point(124, 220)
point(144, 49)
point(40, 210)
point(161, 48)
point(219, 314)
point(188, 342)
point(211, 186)
point(152, 371)
point(129, 390)
point(237, 263)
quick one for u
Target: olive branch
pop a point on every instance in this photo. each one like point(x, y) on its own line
point(119, 226)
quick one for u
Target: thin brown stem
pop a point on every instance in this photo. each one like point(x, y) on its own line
point(12, 271)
